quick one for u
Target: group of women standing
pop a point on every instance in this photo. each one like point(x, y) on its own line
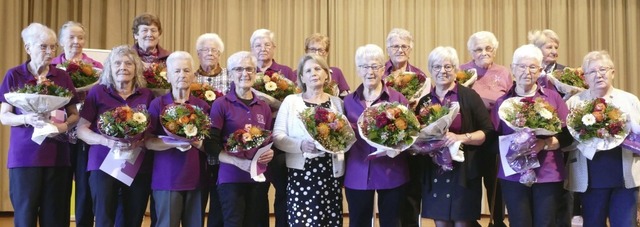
point(308, 182)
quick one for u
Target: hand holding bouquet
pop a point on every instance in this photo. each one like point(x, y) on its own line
point(389, 127)
point(273, 87)
point(411, 85)
point(205, 92)
point(184, 123)
point(126, 126)
point(331, 131)
point(83, 74)
point(244, 142)
point(435, 120)
point(467, 77)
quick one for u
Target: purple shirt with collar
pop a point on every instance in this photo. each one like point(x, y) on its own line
point(551, 162)
point(282, 70)
point(61, 59)
point(379, 173)
point(158, 57)
point(230, 114)
point(174, 170)
point(338, 77)
point(492, 83)
point(23, 152)
point(102, 99)
point(388, 69)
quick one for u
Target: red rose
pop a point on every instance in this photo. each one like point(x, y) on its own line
point(73, 67)
point(381, 120)
point(321, 115)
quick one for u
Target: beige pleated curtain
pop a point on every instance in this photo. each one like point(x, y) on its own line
point(583, 26)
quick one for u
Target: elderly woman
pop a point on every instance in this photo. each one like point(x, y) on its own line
point(176, 178)
point(460, 189)
point(534, 205)
point(384, 175)
point(608, 183)
point(493, 81)
point(121, 84)
point(38, 173)
point(72, 39)
point(263, 48)
point(548, 42)
point(240, 196)
point(314, 192)
point(147, 30)
point(319, 44)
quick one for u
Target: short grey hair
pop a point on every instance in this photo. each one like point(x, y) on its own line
point(36, 32)
point(66, 26)
point(594, 56)
point(262, 33)
point(441, 54)
point(317, 59)
point(236, 58)
point(527, 51)
point(400, 34)
point(369, 52)
point(212, 37)
point(107, 79)
point(179, 55)
point(482, 36)
point(540, 38)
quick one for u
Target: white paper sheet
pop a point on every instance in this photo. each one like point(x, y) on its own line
point(505, 142)
point(124, 170)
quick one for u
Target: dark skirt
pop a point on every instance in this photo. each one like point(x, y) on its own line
point(447, 200)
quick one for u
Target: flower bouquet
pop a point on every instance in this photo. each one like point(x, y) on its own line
point(184, 124)
point(435, 120)
point(528, 117)
point(156, 76)
point(125, 125)
point(244, 147)
point(467, 77)
point(273, 88)
point(205, 92)
point(597, 125)
point(411, 85)
point(83, 74)
point(389, 127)
point(330, 131)
point(40, 98)
point(331, 88)
point(568, 81)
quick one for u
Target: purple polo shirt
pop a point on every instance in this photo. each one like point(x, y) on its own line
point(388, 68)
point(102, 99)
point(492, 82)
point(338, 77)
point(551, 162)
point(379, 173)
point(23, 152)
point(61, 59)
point(451, 96)
point(229, 114)
point(174, 170)
point(282, 70)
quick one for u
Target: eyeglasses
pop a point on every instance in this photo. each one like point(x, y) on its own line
point(487, 49)
point(316, 50)
point(266, 46)
point(372, 67)
point(207, 50)
point(244, 69)
point(530, 68)
point(602, 71)
point(398, 47)
point(147, 30)
point(447, 68)
point(44, 47)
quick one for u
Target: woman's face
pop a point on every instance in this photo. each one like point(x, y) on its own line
point(72, 40)
point(42, 51)
point(244, 74)
point(483, 53)
point(209, 53)
point(371, 71)
point(263, 49)
point(443, 73)
point(180, 73)
point(526, 71)
point(398, 50)
point(313, 75)
point(123, 69)
point(550, 53)
point(599, 76)
point(148, 36)
point(317, 48)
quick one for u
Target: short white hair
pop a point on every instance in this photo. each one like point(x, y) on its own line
point(262, 33)
point(36, 32)
point(369, 52)
point(400, 34)
point(179, 55)
point(210, 37)
point(238, 57)
point(527, 51)
point(540, 38)
point(482, 36)
point(594, 56)
point(443, 53)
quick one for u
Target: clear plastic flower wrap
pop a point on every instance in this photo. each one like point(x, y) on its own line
point(520, 157)
point(439, 154)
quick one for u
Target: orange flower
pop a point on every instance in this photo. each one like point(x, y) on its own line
point(614, 114)
point(599, 116)
point(339, 124)
point(184, 120)
point(460, 75)
point(195, 86)
point(407, 77)
point(275, 76)
point(323, 129)
point(172, 126)
point(255, 131)
point(331, 117)
point(401, 124)
point(246, 137)
point(392, 113)
point(398, 80)
point(193, 117)
point(282, 85)
point(87, 69)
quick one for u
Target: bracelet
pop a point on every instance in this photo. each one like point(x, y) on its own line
point(24, 119)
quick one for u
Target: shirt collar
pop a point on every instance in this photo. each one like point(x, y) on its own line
point(24, 70)
point(539, 89)
point(233, 97)
point(359, 93)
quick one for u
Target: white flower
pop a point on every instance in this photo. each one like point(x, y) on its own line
point(163, 75)
point(546, 114)
point(139, 117)
point(190, 130)
point(270, 86)
point(588, 119)
point(210, 95)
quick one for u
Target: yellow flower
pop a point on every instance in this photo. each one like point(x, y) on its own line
point(270, 86)
point(163, 75)
point(139, 117)
point(210, 95)
point(190, 130)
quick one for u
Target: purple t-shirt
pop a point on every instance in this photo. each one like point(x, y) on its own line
point(388, 68)
point(23, 152)
point(282, 70)
point(379, 173)
point(174, 170)
point(229, 114)
point(551, 162)
point(492, 82)
point(102, 99)
point(338, 77)
point(61, 59)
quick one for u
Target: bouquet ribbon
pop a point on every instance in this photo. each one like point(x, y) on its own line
point(632, 143)
point(440, 155)
point(516, 156)
point(181, 144)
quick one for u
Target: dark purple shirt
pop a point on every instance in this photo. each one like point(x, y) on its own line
point(229, 114)
point(158, 57)
point(551, 162)
point(451, 96)
point(174, 170)
point(102, 99)
point(388, 69)
point(379, 173)
point(61, 59)
point(282, 70)
point(23, 152)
